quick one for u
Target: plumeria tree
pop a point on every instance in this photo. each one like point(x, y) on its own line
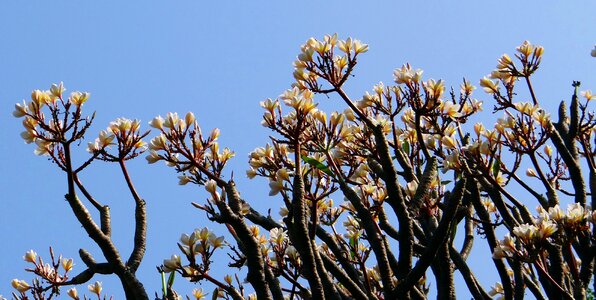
point(414, 182)
point(55, 123)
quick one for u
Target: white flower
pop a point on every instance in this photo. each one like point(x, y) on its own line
point(575, 213)
point(78, 98)
point(499, 253)
point(215, 241)
point(172, 264)
point(72, 293)
point(276, 186)
point(546, 228)
point(277, 236)
point(95, 288)
point(157, 123)
point(30, 256)
point(20, 285)
point(20, 110)
point(526, 232)
point(67, 264)
point(57, 89)
point(211, 186)
point(451, 109)
point(497, 289)
point(153, 157)
point(489, 86)
point(199, 294)
point(183, 179)
point(556, 213)
point(282, 174)
point(189, 118)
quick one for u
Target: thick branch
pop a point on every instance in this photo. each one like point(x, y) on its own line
point(566, 151)
point(345, 280)
point(491, 238)
point(140, 239)
point(406, 234)
point(105, 244)
point(250, 246)
point(301, 239)
point(473, 285)
point(439, 238)
point(430, 173)
point(373, 234)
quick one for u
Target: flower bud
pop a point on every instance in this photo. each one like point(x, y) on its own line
point(20, 285)
point(189, 118)
point(72, 293)
point(531, 173)
point(20, 110)
point(214, 134)
point(448, 142)
point(211, 186)
point(251, 173)
point(548, 150)
point(183, 180)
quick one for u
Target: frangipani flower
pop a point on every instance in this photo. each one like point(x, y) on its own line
point(72, 293)
point(30, 256)
point(172, 264)
point(67, 264)
point(526, 232)
point(199, 294)
point(95, 288)
point(20, 285)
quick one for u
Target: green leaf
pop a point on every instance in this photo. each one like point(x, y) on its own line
point(353, 242)
point(215, 294)
point(445, 182)
point(353, 245)
point(164, 289)
point(406, 147)
point(496, 167)
point(317, 164)
point(171, 279)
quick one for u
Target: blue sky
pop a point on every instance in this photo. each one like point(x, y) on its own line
point(140, 59)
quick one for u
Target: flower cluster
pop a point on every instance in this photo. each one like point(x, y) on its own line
point(383, 152)
point(198, 249)
point(129, 140)
point(63, 124)
point(507, 72)
point(181, 145)
point(529, 239)
point(319, 59)
point(94, 288)
point(50, 275)
point(281, 255)
point(202, 243)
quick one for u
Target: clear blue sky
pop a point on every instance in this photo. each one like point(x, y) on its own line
point(140, 59)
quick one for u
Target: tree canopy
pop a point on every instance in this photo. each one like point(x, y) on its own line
point(415, 187)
